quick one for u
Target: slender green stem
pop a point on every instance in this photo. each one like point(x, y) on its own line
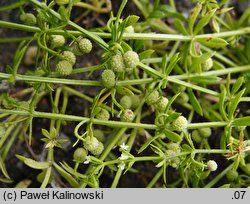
point(51, 80)
point(12, 6)
point(193, 86)
point(117, 178)
point(14, 39)
point(215, 72)
point(115, 124)
point(211, 151)
point(155, 179)
point(95, 36)
point(17, 26)
point(241, 31)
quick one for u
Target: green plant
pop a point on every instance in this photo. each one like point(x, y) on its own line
point(126, 102)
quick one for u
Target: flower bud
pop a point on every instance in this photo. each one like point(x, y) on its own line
point(28, 19)
point(126, 102)
point(103, 115)
point(98, 134)
point(180, 123)
point(175, 161)
point(205, 132)
point(129, 29)
point(117, 63)
point(207, 65)
point(64, 67)
point(135, 101)
point(91, 143)
point(83, 46)
point(212, 165)
point(108, 78)
point(162, 103)
point(127, 115)
point(183, 97)
point(131, 59)
point(232, 175)
point(174, 147)
point(196, 136)
point(69, 56)
point(30, 55)
point(152, 97)
point(80, 155)
point(98, 150)
point(57, 41)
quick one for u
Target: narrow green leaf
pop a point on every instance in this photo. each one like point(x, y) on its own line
point(187, 148)
point(46, 133)
point(234, 103)
point(193, 16)
point(21, 158)
point(178, 24)
point(66, 176)
point(23, 184)
point(225, 185)
point(131, 20)
point(215, 25)
point(164, 63)
point(72, 171)
point(46, 177)
point(217, 65)
point(36, 165)
point(205, 79)
point(124, 90)
point(244, 16)
point(212, 42)
point(224, 10)
point(160, 164)
point(194, 101)
point(148, 142)
point(222, 99)
point(3, 169)
point(172, 135)
point(95, 111)
point(228, 84)
point(201, 59)
point(171, 101)
point(146, 54)
point(157, 14)
point(5, 180)
point(237, 85)
point(204, 21)
point(157, 150)
point(172, 117)
point(129, 166)
point(172, 63)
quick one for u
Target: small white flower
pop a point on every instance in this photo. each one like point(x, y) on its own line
point(123, 157)
point(87, 160)
point(125, 147)
point(122, 166)
point(212, 165)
